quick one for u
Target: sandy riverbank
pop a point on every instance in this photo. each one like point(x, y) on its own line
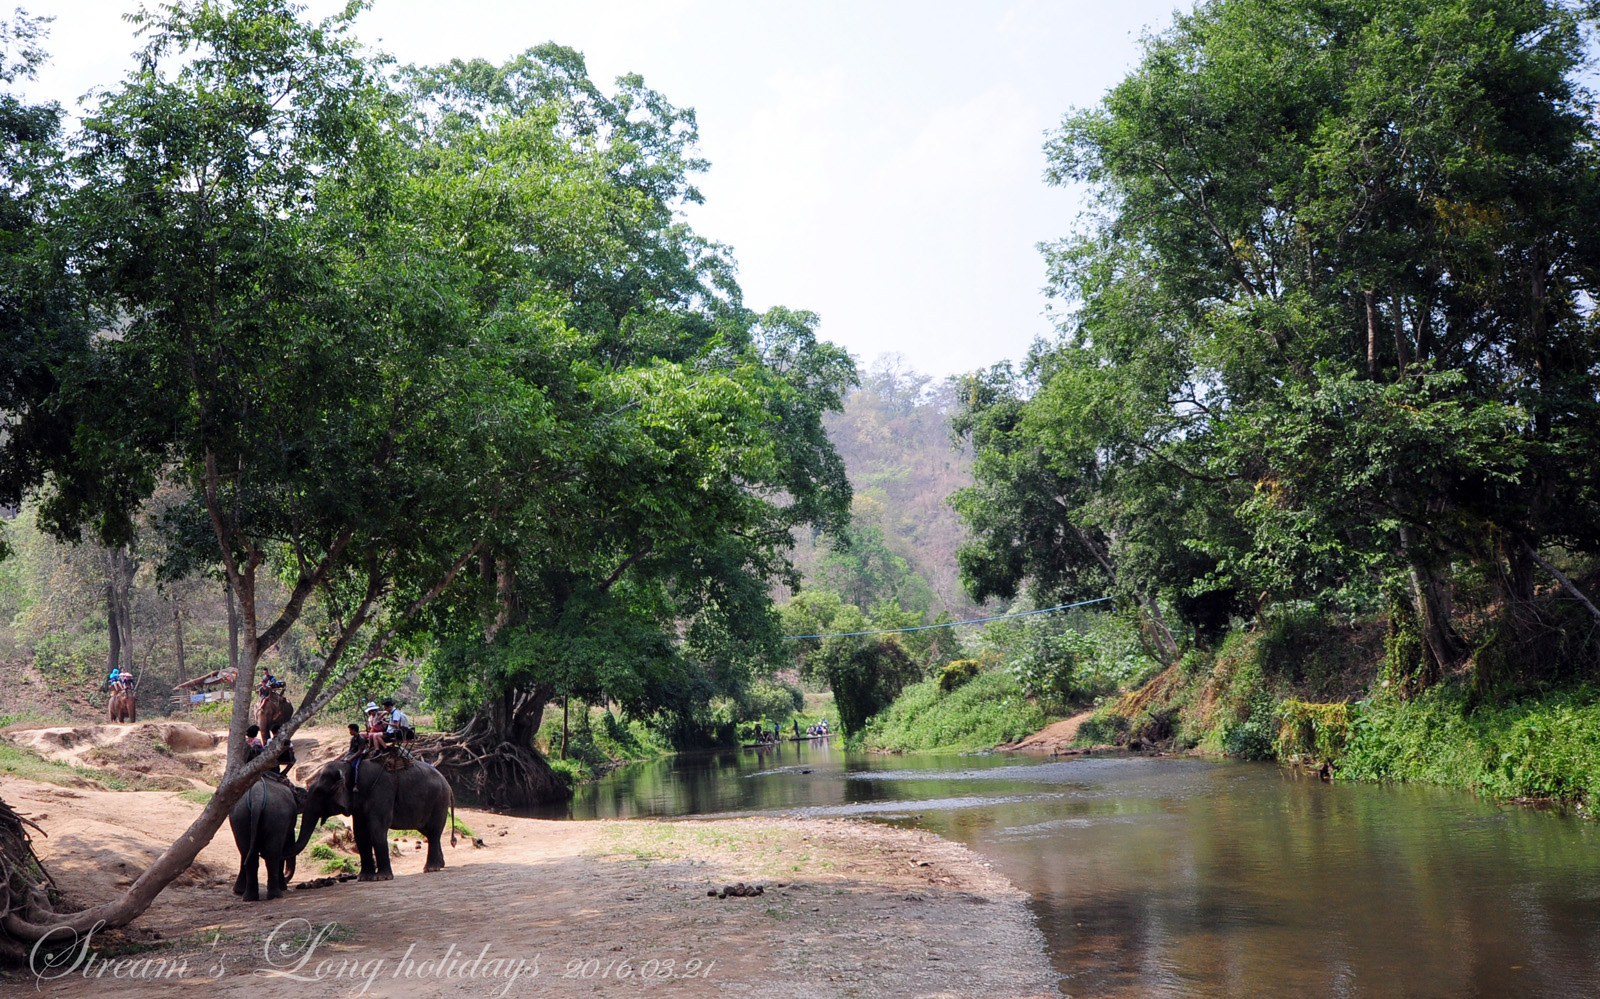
point(849, 909)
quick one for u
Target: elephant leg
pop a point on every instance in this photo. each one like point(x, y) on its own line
point(378, 833)
point(358, 827)
point(239, 882)
point(275, 882)
point(385, 871)
point(252, 878)
point(435, 854)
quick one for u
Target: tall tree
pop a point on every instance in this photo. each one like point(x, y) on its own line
point(1329, 320)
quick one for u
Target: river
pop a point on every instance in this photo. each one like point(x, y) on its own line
point(1179, 877)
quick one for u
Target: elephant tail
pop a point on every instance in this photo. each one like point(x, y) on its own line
point(452, 816)
point(253, 849)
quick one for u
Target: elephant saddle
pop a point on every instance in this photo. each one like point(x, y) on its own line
point(396, 758)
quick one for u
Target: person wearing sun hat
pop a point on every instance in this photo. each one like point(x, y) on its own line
point(375, 726)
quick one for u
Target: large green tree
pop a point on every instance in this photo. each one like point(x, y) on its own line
point(1330, 320)
point(692, 446)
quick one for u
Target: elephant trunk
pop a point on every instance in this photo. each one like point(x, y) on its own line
point(308, 826)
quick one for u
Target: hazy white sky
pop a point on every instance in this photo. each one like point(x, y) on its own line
point(877, 163)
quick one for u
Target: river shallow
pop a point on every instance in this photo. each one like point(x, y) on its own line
point(1178, 877)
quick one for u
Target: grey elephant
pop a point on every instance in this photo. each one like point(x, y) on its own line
point(417, 797)
point(263, 829)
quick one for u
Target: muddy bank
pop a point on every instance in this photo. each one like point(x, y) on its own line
point(555, 907)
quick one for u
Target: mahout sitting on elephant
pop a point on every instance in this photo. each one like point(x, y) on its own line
point(271, 710)
point(378, 799)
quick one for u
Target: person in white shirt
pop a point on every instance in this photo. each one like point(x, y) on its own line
point(398, 727)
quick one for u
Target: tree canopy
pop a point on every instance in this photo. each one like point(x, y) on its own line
point(1331, 323)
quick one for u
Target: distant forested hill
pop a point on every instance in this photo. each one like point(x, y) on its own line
point(894, 438)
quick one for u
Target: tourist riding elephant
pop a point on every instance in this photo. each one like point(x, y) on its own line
point(263, 829)
point(271, 710)
point(122, 707)
point(417, 797)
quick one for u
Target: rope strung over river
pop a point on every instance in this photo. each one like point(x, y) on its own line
point(954, 624)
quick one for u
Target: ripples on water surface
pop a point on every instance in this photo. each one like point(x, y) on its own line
point(1183, 878)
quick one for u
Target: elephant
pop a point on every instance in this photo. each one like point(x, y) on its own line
point(122, 707)
point(270, 712)
point(377, 800)
point(263, 828)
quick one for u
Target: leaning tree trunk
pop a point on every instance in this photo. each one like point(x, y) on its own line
point(492, 760)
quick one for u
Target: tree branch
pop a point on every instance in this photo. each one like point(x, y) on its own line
point(1566, 583)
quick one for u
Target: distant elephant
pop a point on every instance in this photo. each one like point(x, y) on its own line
point(377, 800)
point(270, 712)
point(122, 707)
point(263, 828)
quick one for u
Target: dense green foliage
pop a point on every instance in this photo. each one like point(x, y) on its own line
point(1328, 338)
point(865, 676)
point(42, 324)
point(982, 713)
point(1064, 660)
point(1534, 747)
point(957, 673)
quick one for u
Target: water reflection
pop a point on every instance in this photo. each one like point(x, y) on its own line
point(1178, 877)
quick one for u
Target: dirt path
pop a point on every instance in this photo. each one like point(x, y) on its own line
point(1053, 738)
point(563, 908)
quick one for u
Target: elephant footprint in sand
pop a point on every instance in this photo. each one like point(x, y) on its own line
point(417, 797)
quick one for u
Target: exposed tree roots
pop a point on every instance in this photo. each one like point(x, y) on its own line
point(490, 773)
point(27, 889)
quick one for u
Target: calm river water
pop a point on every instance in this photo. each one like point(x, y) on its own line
point(1195, 878)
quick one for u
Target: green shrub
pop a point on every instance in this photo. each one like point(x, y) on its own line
point(1250, 739)
point(1541, 747)
point(70, 660)
point(865, 677)
point(1309, 731)
point(1047, 667)
point(770, 699)
point(571, 772)
point(988, 710)
point(1074, 658)
point(956, 673)
point(1105, 727)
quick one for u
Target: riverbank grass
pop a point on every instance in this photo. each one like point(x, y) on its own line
point(596, 741)
point(1538, 747)
point(981, 713)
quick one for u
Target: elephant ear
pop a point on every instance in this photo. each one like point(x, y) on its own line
point(300, 798)
point(341, 794)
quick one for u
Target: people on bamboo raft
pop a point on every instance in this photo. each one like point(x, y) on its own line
point(761, 736)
